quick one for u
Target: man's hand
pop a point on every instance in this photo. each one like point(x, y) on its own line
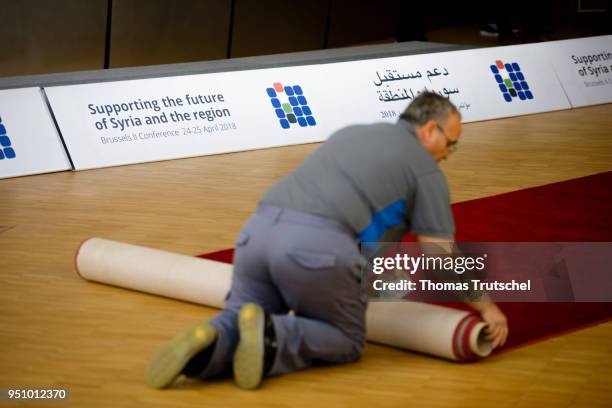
point(497, 324)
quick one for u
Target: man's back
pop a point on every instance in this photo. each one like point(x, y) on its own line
point(372, 178)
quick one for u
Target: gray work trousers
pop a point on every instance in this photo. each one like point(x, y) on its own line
point(286, 261)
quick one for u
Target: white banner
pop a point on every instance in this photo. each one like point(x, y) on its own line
point(484, 83)
point(136, 121)
point(117, 123)
point(29, 143)
point(584, 67)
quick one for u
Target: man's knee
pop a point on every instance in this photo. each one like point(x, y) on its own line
point(354, 354)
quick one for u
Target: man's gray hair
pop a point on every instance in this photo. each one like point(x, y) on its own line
point(427, 106)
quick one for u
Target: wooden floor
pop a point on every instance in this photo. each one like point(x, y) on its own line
point(58, 330)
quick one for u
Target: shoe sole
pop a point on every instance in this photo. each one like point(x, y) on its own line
point(249, 355)
point(174, 354)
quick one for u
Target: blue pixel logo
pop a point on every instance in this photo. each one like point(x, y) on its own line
point(6, 150)
point(290, 106)
point(511, 81)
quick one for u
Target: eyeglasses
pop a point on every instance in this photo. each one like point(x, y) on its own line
point(451, 145)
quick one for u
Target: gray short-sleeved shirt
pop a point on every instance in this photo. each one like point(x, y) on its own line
point(376, 179)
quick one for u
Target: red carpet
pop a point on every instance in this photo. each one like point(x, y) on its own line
point(577, 210)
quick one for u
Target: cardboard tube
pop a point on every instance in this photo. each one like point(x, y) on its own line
point(440, 331)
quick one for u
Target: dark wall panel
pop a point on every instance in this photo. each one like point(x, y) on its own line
point(360, 21)
point(45, 36)
point(275, 26)
point(151, 32)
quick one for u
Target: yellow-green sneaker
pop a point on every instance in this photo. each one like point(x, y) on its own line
point(250, 353)
point(173, 355)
